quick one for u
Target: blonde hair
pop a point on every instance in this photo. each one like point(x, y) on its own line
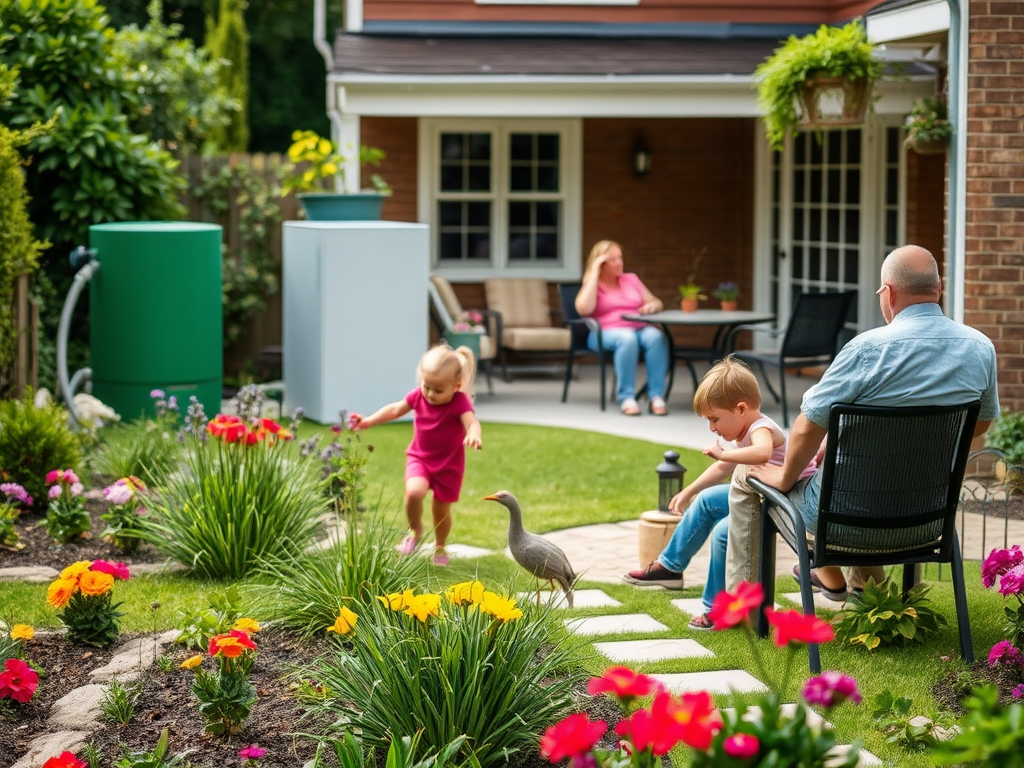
point(728, 383)
point(600, 248)
point(459, 363)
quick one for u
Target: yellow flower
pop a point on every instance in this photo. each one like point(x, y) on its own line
point(192, 662)
point(466, 593)
point(503, 608)
point(248, 625)
point(75, 570)
point(396, 601)
point(345, 623)
point(95, 583)
point(60, 592)
point(423, 606)
point(22, 632)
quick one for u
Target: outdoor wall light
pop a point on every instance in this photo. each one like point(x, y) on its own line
point(670, 479)
point(641, 156)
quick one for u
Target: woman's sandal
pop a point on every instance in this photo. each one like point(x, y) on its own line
point(630, 407)
point(702, 622)
point(657, 406)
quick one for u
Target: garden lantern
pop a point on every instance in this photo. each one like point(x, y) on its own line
point(670, 479)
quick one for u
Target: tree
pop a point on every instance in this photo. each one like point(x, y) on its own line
point(228, 41)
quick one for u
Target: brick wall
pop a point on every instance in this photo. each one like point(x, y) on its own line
point(397, 136)
point(926, 182)
point(994, 285)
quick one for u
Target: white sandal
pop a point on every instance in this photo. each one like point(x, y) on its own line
point(630, 407)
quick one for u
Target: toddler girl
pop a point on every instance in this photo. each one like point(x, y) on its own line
point(443, 422)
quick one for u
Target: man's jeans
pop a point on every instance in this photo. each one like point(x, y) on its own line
point(625, 344)
point(707, 515)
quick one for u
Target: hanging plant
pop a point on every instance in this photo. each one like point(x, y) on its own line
point(793, 83)
point(928, 126)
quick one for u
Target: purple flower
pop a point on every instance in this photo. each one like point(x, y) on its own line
point(76, 489)
point(157, 394)
point(830, 689)
point(54, 491)
point(118, 493)
point(1004, 652)
point(252, 752)
point(1012, 582)
point(172, 403)
point(998, 562)
point(15, 491)
point(1018, 692)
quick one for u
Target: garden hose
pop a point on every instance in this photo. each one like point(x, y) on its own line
point(83, 376)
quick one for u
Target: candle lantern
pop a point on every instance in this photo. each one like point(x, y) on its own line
point(670, 479)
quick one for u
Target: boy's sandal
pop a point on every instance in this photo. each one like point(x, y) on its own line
point(702, 622)
point(630, 407)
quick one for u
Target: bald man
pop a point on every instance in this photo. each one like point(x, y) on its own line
point(920, 357)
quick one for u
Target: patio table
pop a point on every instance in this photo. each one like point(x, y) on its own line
point(724, 323)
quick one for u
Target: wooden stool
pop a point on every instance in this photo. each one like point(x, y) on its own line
point(656, 528)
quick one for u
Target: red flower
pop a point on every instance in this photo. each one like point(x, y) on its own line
point(231, 645)
point(230, 428)
point(623, 682)
point(575, 735)
point(793, 626)
point(270, 426)
point(18, 681)
point(692, 719)
point(729, 609)
point(65, 760)
point(741, 745)
point(117, 570)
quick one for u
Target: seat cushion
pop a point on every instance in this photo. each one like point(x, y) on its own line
point(523, 302)
point(447, 295)
point(536, 339)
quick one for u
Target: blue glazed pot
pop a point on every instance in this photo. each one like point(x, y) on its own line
point(335, 206)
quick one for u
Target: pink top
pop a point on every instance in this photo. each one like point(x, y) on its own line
point(438, 432)
point(612, 302)
point(778, 457)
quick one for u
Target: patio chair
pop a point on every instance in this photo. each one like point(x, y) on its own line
point(525, 318)
point(810, 338)
point(580, 328)
point(446, 310)
point(890, 486)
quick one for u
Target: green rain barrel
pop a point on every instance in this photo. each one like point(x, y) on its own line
point(156, 314)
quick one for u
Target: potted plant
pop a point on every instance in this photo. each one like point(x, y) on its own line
point(1006, 435)
point(315, 171)
point(818, 81)
point(727, 293)
point(928, 126)
point(690, 292)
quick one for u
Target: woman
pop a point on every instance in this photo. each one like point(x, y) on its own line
point(608, 292)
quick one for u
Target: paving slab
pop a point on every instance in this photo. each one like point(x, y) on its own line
point(36, 574)
point(693, 606)
point(821, 603)
point(80, 708)
point(581, 598)
point(463, 550)
point(49, 745)
point(653, 650)
point(719, 681)
point(616, 624)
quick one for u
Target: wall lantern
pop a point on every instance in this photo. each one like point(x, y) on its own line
point(641, 156)
point(670, 479)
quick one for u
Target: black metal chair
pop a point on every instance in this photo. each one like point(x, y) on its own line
point(890, 487)
point(580, 327)
point(810, 338)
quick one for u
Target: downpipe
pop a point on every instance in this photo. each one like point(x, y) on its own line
point(82, 377)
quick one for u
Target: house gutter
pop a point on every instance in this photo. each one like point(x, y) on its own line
point(956, 214)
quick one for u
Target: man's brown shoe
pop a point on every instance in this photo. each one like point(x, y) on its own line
point(655, 574)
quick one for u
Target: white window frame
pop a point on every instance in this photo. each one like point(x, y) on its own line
point(570, 194)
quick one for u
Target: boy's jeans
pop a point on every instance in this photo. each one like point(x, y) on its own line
point(707, 515)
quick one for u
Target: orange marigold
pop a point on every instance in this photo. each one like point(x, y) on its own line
point(95, 583)
point(60, 592)
point(75, 570)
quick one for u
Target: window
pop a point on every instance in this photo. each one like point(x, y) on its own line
point(502, 197)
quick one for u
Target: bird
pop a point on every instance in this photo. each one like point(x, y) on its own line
point(535, 553)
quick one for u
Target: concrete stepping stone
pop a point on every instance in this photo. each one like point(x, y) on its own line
point(460, 550)
point(168, 566)
point(864, 760)
point(694, 606)
point(653, 650)
point(50, 745)
point(615, 625)
point(581, 598)
point(134, 658)
point(79, 708)
point(813, 718)
point(821, 603)
point(36, 574)
point(718, 681)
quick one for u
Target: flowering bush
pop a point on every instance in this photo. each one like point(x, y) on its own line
point(927, 121)
point(83, 596)
point(225, 695)
point(18, 681)
point(463, 663)
point(765, 736)
point(1007, 566)
point(66, 518)
point(9, 511)
point(315, 162)
point(123, 513)
point(232, 429)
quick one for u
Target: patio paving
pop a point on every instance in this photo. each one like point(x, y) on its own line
point(615, 624)
point(626, 651)
point(722, 681)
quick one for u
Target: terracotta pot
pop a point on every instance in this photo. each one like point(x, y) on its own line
point(689, 305)
point(730, 306)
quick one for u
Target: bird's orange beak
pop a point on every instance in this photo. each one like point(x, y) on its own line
point(490, 498)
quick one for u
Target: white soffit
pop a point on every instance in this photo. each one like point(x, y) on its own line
point(925, 18)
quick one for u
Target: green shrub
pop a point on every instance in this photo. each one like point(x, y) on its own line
point(198, 625)
point(140, 448)
point(1007, 435)
point(990, 735)
point(34, 441)
point(456, 670)
point(881, 615)
point(234, 506)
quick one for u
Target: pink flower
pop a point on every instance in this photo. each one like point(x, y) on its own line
point(117, 570)
point(70, 477)
point(1012, 582)
point(18, 681)
point(157, 394)
point(1004, 652)
point(252, 752)
point(54, 476)
point(54, 491)
point(831, 688)
point(741, 745)
point(118, 493)
point(623, 682)
point(998, 562)
point(1018, 692)
point(15, 491)
point(76, 489)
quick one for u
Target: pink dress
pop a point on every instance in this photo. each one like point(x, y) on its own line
point(612, 302)
point(436, 452)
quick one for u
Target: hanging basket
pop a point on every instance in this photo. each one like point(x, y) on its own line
point(928, 146)
point(833, 102)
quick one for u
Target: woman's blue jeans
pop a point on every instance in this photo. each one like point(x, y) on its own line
point(625, 345)
point(708, 515)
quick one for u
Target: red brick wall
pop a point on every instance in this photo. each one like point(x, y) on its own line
point(926, 201)
point(397, 136)
point(994, 285)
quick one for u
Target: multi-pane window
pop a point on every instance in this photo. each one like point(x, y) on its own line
point(501, 200)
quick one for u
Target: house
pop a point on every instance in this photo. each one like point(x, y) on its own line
point(515, 128)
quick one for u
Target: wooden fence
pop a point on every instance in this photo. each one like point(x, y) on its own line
point(24, 370)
